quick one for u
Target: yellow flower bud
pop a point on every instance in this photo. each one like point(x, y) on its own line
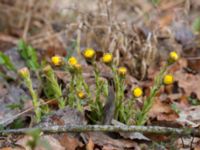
point(168, 79)
point(89, 53)
point(137, 92)
point(122, 71)
point(78, 66)
point(107, 58)
point(81, 95)
point(173, 57)
point(47, 69)
point(72, 61)
point(24, 72)
point(57, 60)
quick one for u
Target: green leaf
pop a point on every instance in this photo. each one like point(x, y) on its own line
point(14, 106)
point(35, 134)
point(1, 127)
point(21, 45)
point(194, 101)
point(196, 25)
point(155, 2)
point(5, 60)
point(28, 53)
point(174, 108)
point(17, 124)
point(2, 61)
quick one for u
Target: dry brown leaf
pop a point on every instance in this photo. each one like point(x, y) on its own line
point(62, 75)
point(189, 82)
point(187, 143)
point(110, 147)
point(6, 148)
point(197, 148)
point(66, 116)
point(190, 116)
point(102, 139)
point(197, 145)
point(3, 89)
point(194, 63)
point(51, 142)
point(90, 145)
point(162, 111)
point(165, 20)
point(68, 142)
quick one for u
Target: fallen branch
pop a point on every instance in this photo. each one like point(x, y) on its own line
point(109, 128)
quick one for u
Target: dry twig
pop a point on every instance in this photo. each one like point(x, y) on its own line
point(109, 128)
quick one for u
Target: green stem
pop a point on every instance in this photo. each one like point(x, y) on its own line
point(142, 116)
point(79, 106)
point(86, 87)
point(96, 106)
point(119, 87)
point(34, 98)
point(72, 93)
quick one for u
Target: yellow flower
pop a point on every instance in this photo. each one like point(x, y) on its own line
point(24, 72)
point(57, 60)
point(107, 58)
point(72, 61)
point(137, 92)
point(168, 79)
point(122, 71)
point(173, 56)
point(89, 53)
point(81, 95)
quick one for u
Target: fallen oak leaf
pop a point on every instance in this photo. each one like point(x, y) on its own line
point(102, 139)
point(66, 116)
point(44, 142)
point(190, 116)
point(194, 64)
point(6, 148)
point(162, 111)
point(68, 142)
point(90, 145)
point(188, 82)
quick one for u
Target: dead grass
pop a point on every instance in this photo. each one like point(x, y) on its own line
point(126, 28)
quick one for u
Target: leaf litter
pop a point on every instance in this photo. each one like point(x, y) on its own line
point(137, 41)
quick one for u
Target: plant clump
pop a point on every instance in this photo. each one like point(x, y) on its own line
point(77, 90)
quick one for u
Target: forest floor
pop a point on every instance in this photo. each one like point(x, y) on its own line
point(139, 34)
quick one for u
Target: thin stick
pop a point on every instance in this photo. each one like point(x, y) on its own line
point(192, 142)
point(27, 24)
point(109, 128)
